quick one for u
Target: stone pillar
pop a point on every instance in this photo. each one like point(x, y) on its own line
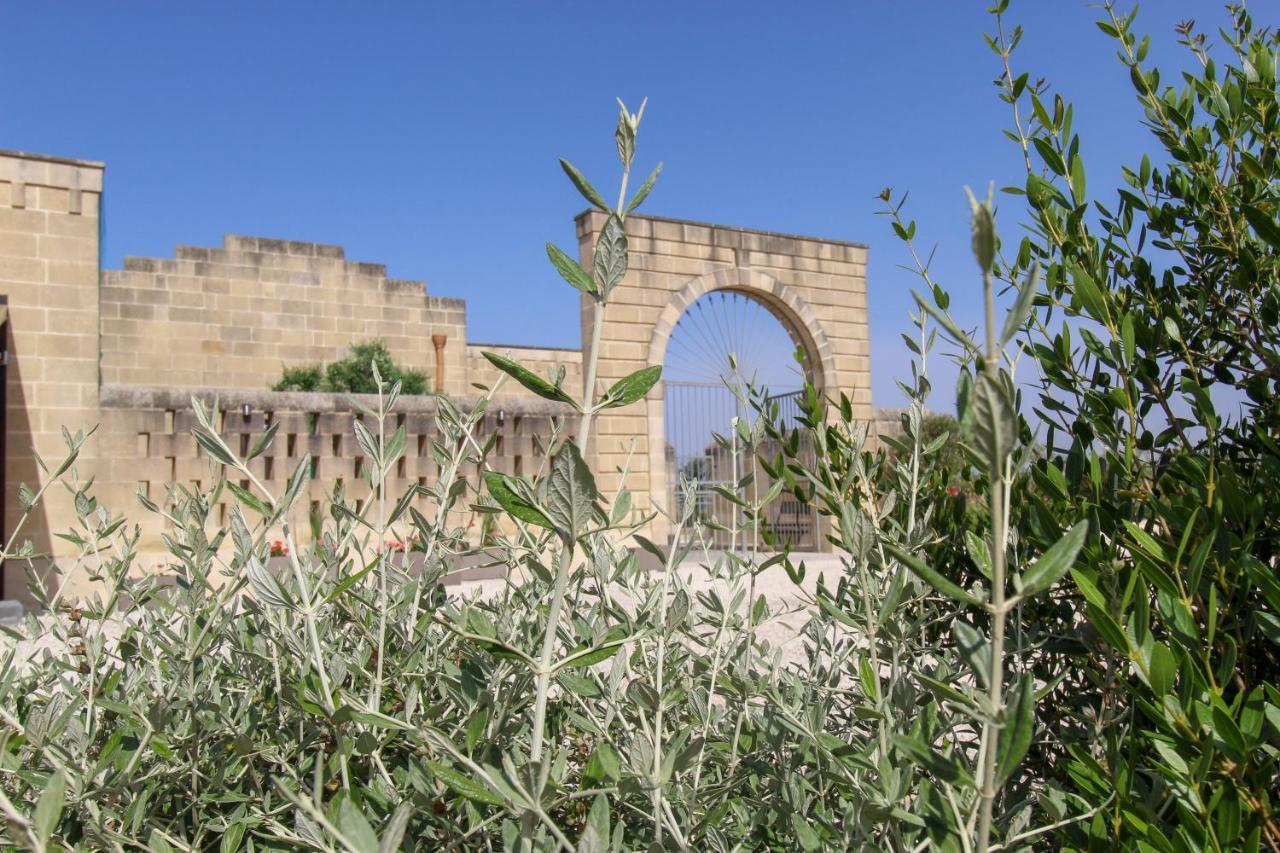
point(438, 341)
point(49, 262)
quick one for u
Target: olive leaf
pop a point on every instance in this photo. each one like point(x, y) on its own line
point(994, 421)
point(632, 387)
point(571, 270)
point(503, 490)
point(589, 192)
point(571, 492)
point(611, 255)
point(529, 379)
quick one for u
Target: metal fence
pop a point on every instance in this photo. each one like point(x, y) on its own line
point(703, 449)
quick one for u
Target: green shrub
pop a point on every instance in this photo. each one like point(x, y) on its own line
point(355, 373)
point(303, 378)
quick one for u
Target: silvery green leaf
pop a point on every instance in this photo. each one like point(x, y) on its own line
point(247, 498)
point(856, 531)
point(395, 445)
point(1055, 562)
point(974, 649)
point(213, 445)
point(645, 189)
point(631, 388)
point(595, 654)
point(571, 492)
point(611, 255)
point(355, 829)
point(625, 138)
point(502, 490)
point(156, 843)
point(365, 439)
point(584, 186)
point(393, 832)
point(621, 506)
point(595, 836)
point(570, 269)
point(957, 334)
point(994, 422)
point(297, 482)
point(677, 611)
point(984, 231)
point(264, 440)
point(1019, 726)
point(1021, 309)
point(266, 588)
point(964, 400)
point(529, 379)
point(931, 576)
point(240, 532)
point(49, 808)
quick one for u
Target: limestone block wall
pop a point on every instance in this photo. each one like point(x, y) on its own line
point(816, 287)
point(49, 258)
point(233, 316)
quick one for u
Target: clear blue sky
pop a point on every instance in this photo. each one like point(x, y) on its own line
point(425, 135)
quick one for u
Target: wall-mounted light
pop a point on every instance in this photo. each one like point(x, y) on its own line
point(246, 411)
point(502, 418)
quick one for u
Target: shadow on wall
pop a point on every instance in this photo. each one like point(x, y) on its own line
point(21, 467)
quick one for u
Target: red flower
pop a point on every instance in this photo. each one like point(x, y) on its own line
point(953, 491)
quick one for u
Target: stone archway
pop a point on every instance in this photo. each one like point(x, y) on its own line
point(784, 302)
point(787, 306)
point(815, 287)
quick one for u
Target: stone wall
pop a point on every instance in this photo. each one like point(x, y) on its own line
point(49, 226)
point(235, 316)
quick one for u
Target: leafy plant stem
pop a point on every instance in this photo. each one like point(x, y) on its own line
point(382, 464)
point(999, 520)
point(544, 658)
point(661, 653)
point(313, 635)
point(589, 382)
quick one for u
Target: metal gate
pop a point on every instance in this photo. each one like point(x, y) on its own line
point(704, 451)
point(724, 340)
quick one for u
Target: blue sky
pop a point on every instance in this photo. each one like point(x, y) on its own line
point(425, 135)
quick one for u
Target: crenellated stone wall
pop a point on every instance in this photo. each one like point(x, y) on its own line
point(235, 316)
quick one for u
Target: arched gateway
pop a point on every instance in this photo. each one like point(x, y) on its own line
point(815, 288)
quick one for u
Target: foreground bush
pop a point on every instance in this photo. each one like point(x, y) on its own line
point(1064, 635)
